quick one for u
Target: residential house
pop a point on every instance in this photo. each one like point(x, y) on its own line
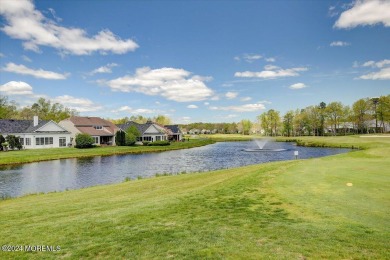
point(36, 133)
point(102, 131)
point(151, 131)
point(174, 134)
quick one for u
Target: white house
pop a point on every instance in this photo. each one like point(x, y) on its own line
point(35, 134)
point(152, 132)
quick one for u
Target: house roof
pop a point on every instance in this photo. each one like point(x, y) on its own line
point(140, 127)
point(86, 125)
point(13, 126)
point(174, 129)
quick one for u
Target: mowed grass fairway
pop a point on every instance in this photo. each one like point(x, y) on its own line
point(285, 210)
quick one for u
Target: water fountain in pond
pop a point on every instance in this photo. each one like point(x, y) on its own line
point(260, 144)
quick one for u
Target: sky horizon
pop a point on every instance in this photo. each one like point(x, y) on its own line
point(193, 61)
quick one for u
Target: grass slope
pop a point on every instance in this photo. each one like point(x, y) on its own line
point(26, 156)
point(285, 210)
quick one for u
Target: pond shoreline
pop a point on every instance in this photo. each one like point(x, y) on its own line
point(40, 155)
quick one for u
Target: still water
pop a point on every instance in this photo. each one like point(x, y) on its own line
point(59, 175)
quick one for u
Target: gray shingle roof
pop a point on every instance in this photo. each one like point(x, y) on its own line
point(140, 127)
point(174, 128)
point(13, 126)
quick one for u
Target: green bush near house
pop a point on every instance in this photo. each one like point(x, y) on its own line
point(84, 141)
point(130, 139)
point(159, 143)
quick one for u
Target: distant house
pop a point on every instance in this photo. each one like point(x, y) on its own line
point(152, 132)
point(102, 131)
point(194, 131)
point(36, 133)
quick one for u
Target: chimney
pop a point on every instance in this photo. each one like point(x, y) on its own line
point(36, 120)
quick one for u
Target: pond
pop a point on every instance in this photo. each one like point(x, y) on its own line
point(60, 175)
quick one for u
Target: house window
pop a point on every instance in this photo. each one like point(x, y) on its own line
point(62, 141)
point(96, 139)
point(98, 127)
point(21, 140)
point(28, 141)
point(158, 138)
point(43, 140)
point(148, 138)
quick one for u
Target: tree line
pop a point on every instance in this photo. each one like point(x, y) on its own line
point(322, 119)
point(44, 109)
point(333, 118)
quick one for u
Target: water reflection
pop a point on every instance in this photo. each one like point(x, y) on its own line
point(77, 173)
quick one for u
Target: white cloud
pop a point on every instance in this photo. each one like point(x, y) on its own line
point(271, 72)
point(378, 64)
point(298, 86)
point(339, 44)
point(79, 104)
point(40, 73)
point(231, 95)
point(242, 108)
point(382, 74)
point(270, 59)
point(206, 103)
point(130, 110)
point(16, 88)
point(192, 106)
point(104, 69)
point(365, 12)
point(248, 57)
point(24, 22)
point(271, 67)
point(25, 58)
point(245, 99)
point(173, 84)
point(2, 55)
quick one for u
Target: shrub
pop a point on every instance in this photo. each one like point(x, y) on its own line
point(145, 142)
point(2, 140)
point(130, 139)
point(159, 143)
point(84, 141)
point(120, 138)
point(5, 146)
point(14, 142)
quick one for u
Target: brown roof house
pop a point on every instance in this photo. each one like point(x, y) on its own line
point(101, 130)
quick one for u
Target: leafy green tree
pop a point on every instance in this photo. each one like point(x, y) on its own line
point(245, 126)
point(360, 112)
point(162, 120)
point(120, 138)
point(133, 130)
point(8, 110)
point(383, 110)
point(322, 110)
point(130, 139)
point(288, 125)
point(334, 111)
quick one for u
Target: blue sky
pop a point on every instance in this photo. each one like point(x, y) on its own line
point(210, 61)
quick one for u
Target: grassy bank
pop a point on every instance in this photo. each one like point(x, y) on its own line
point(26, 156)
point(333, 207)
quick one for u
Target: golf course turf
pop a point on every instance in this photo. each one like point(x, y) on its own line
point(334, 207)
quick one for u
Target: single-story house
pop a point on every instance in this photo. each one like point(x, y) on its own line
point(151, 131)
point(102, 131)
point(36, 133)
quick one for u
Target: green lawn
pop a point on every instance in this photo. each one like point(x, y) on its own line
point(300, 209)
point(26, 156)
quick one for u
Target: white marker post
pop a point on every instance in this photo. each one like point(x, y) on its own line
point(296, 154)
